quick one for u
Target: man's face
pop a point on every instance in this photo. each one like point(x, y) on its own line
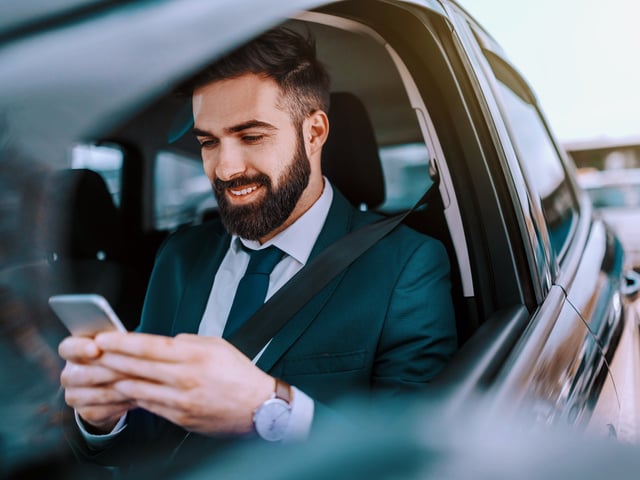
point(252, 152)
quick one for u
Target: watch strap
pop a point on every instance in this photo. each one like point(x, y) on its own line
point(283, 391)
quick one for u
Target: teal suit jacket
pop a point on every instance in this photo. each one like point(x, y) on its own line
point(385, 325)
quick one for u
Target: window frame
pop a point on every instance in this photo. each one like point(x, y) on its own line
point(504, 73)
point(355, 19)
point(544, 264)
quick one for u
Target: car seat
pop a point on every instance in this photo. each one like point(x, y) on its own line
point(350, 157)
point(78, 243)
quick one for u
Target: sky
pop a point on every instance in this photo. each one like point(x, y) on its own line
point(581, 57)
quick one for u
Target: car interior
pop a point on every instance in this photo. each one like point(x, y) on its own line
point(421, 100)
point(118, 216)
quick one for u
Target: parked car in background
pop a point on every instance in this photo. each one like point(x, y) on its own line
point(544, 327)
point(616, 196)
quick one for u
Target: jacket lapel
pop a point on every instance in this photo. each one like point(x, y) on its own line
point(339, 222)
point(198, 283)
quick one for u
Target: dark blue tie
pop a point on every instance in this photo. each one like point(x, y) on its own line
point(252, 288)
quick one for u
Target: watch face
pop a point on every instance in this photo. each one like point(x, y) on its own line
point(271, 419)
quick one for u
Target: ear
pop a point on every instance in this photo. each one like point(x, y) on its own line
point(316, 130)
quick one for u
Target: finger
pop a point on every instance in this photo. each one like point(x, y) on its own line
point(80, 397)
point(78, 349)
point(85, 375)
point(151, 370)
point(148, 392)
point(190, 337)
point(143, 345)
point(104, 414)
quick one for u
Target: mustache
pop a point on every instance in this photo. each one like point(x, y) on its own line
point(219, 186)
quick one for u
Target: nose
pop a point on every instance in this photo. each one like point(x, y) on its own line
point(229, 162)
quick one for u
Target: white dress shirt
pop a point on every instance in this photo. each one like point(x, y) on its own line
point(296, 241)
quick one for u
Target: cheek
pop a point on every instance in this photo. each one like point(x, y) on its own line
point(267, 159)
point(277, 170)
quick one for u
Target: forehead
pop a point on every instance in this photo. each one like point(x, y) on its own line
point(226, 103)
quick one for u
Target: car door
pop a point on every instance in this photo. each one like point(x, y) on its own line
point(545, 276)
point(561, 361)
point(504, 264)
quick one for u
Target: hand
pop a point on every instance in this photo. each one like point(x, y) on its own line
point(89, 387)
point(203, 384)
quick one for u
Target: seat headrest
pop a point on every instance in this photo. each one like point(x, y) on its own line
point(350, 156)
point(81, 219)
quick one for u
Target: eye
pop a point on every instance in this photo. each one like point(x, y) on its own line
point(252, 138)
point(209, 143)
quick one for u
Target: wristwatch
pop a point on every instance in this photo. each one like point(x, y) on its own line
point(271, 419)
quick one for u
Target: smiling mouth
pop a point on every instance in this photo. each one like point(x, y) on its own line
point(243, 191)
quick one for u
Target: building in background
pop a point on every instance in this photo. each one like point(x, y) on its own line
point(609, 170)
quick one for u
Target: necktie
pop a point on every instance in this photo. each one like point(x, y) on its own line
point(252, 288)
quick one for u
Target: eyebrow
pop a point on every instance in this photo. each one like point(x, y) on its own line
point(236, 128)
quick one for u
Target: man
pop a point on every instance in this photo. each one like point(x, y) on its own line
point(386, 324)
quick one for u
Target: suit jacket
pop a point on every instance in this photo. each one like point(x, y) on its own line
point(384, 325)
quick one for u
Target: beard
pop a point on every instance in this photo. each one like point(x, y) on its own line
point(258, 219)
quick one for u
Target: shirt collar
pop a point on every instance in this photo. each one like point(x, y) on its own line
point(298, 239)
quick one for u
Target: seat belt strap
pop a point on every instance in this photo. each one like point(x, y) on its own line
point(269, 319)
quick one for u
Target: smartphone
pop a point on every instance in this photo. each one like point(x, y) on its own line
point(85, 315)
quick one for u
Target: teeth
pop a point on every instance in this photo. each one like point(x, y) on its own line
point(244, 191)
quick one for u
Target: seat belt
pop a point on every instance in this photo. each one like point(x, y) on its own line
point(263, 325)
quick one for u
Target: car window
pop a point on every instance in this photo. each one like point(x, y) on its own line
point(106, 160)
point(541, 164)
point(182, 192)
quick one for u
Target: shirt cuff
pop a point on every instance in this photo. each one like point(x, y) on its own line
point(301, 418)
point(98, 442)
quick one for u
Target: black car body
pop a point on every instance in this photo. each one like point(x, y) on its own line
point(537, 281)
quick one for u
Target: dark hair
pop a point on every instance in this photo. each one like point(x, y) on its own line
point(283, 55)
